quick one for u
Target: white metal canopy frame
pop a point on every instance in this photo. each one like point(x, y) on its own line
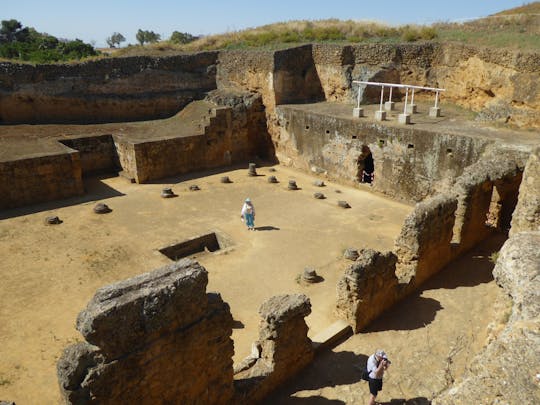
point(401, 86)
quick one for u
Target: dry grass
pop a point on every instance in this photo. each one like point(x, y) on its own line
point(516, 31)
point(283, 34)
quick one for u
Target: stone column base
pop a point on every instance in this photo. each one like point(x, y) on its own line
point(411, 109)
point(389, 106)
point(358, 112)
point(380, 115)
point(404, 118)
point(434, 112)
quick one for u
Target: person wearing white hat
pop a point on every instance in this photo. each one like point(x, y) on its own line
point(248, 214)
point(377, 364)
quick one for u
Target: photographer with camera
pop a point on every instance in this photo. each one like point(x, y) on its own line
point(377, 364)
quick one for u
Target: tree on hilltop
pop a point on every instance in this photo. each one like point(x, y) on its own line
point(25, 43)
point(11, 31)
point(147, 37)
point(182, 37)
point(115, 39)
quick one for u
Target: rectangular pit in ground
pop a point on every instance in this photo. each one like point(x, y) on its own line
point(211, 242)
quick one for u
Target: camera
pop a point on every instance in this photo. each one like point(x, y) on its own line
point(387, 361)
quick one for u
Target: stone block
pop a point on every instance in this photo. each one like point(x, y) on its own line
point(358, 112)
point(434, 112)
point(160, 338)
point(126, 315)
point(389, 106)
point(411, 109)
point(380, 115)
point(404, 118)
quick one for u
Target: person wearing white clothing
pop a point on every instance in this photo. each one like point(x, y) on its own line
point(377, 364)
point(248, 214)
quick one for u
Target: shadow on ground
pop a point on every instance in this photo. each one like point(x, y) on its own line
point(209, 172)
point(95, 190)
point(414, 312)
point(412, 401)
point(266, 228)
point(473, 268)
point(342, 368)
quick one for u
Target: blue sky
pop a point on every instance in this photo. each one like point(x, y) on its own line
point(97, 19)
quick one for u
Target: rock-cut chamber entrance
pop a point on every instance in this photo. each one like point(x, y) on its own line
point(366, 166)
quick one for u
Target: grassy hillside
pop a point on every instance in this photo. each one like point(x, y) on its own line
point(529, 8)
point(518, 29)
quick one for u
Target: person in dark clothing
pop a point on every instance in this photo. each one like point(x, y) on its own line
point(368, 172)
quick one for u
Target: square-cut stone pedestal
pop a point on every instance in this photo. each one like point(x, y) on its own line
point(434, 112)
point(357, 112)
point(389, 106)
point(380, 115)
point(411, 108)
point(404, 118)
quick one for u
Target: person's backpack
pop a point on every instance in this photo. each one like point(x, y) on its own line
point(365, 375)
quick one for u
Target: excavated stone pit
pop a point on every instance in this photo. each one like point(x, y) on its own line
point(213, 113)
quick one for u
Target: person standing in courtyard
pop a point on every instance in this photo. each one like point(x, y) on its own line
point(377, 364)
point(248, 214)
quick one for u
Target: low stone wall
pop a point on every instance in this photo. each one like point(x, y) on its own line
point(410, 164)
point(506, 371)
point(97, 153)
point(368, 288)
point(160, 338)
point(424, 245)
point(283, 348)
point(499, 170)
point(214, 145)
point(116, 89)
point(40, 179)
point(155, 338)
point(526, 216)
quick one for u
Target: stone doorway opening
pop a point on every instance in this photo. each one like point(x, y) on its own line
point(365, 166)
point(210, 242)
point(504, 196)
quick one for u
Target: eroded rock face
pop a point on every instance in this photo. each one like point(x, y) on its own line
point(526, 216)
point(368, 287)
point(423, 246)
point(157, 337)
point(505, 373)
point(285, 347)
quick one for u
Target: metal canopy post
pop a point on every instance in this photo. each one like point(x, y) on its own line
point(382, 96)
point(406, 97)
point(436, 99)
point(412, 97)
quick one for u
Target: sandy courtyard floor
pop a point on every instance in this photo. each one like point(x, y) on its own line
point(49, 273)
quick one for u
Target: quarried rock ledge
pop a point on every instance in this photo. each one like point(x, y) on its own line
point(155, 338)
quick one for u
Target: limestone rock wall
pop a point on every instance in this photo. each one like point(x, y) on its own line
point(155, 338)
point(502, 85)
point(489, 186)
point(506, 371)
point(527, 213)
point(38, 179)
point(97, 153)
point(424, 245)
point(248, 122)
point(283, 347)
point(410, 164)
point(368, 288)
point(107, 90)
